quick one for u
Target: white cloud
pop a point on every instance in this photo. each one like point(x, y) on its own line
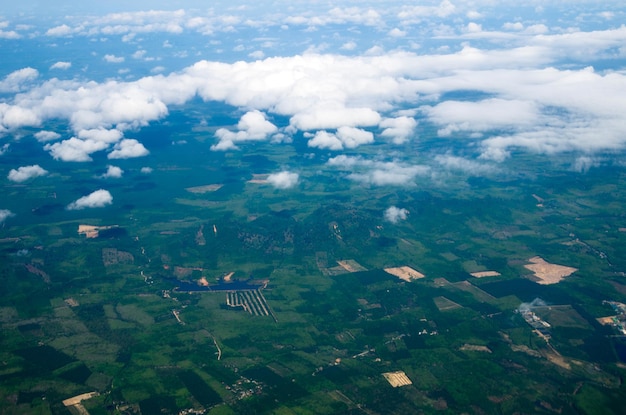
point(351, 45)
point(99, 198)
point(75, 149)
point(257, 54)
point(253, 126)
point(128, 148)
point(113, 59)
point(474, 27)
point(101, 135)
point(470, 167)
point(61, 65)
point(25, 173)
point(325, 140)
point(62, 30)
point(582, 164)
point(4, 214)
point(43, 136)
point(113, 172)
point(17, 80)
point(283, 180)
point(394, 214)
point(146, 170)
point(4, 148)
point(345, 137)
point(10, 34)
point(395, 32)
point(379, 173)
point(531, 104)
point(416, 14)
point(488, 114)
point(399, 129)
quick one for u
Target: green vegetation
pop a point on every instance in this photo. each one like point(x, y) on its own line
point(103, 314)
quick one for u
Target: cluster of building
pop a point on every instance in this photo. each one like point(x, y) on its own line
point(541, 327)
point(619, 320)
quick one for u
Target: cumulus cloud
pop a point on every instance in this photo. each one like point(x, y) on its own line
point(113, 172)
point(61, 65)
point(61, 30)
point(43, 136)
point(394, 214)
point(128, 148)
point(253, 126)
point(344, 137)
point(399, 129)
point(146, 170)
point(75, 149)
point(4, 214)
point(99, 198)
point(283, 179)
point(26, 172)
point(113, 59)
point(18, 80)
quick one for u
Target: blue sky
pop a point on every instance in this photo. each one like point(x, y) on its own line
point(546, 78)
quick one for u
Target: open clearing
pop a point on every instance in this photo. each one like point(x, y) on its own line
point(483, 274)
point(548, 273)
point(444, 304)
point(405, 273)
point(259, 178)
point(397, 379)
point(92, 231)
point(204, 189)
point(351, 265)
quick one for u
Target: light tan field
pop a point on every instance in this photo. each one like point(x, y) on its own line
point(92, 231)
point(259, 178)
point(606, 321)
point(483, 274)
point(547, 273)
point(79, 398)
point(405, 273)
point(475, 348)
point(204, 189)
point(397, 379)
point(351, 265)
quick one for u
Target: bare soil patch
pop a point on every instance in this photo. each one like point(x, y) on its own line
point(351, 265)
point(547, 273)
point(204, 189)
point(483, 274)
point(91, 231)
point(405, 273)
point(259, 178)
point(397, 379)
